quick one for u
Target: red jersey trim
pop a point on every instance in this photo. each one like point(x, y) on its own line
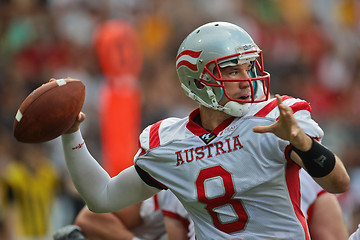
point(293, 186)
point(299, 106)
point(156, 202)
point(311, 207)
point(198, 130)
point(154, 135)
point(269, 107)
point(185, 222)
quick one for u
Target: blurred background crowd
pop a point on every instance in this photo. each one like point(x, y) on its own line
point(311, 49)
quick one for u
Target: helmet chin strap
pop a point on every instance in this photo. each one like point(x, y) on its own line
point(236, 109)
point(232, 108)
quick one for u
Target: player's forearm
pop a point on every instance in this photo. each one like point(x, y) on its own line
point(323, 165)
point(87, 175)
point(103, 226)
point(337, 181)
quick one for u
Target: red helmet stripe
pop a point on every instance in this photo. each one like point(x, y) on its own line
point(189, 53)
point(187, 64)
point(188, 58)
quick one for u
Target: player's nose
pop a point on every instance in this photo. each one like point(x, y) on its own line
point(243, 84)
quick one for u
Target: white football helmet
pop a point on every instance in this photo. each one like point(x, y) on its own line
point(211, 47)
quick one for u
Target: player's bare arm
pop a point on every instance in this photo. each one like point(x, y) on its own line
point(287, 128)
point(108, 226)
point(175, 229)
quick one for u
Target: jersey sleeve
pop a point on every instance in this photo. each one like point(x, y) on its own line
point(154, 136)
point(302, 113)
point(301, 110)
point(148, 179)
point(168, 203)
point(310, 190)
point(173, 208)
point(100, 192)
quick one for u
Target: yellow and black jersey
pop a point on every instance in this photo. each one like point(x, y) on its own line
point(30, 194)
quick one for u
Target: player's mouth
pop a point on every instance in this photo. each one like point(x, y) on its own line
point(245, 97)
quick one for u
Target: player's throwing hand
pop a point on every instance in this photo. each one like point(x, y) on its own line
point(80, 118)
point(286, 127)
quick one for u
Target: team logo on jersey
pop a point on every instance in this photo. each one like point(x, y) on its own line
point(228, 129)
point(208, 137)
point(188, 58)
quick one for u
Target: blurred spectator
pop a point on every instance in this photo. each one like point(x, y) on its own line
point(29, 185)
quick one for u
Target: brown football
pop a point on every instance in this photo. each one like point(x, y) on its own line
point(49, 111)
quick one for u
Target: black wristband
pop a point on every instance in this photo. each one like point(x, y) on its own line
point(318, 160)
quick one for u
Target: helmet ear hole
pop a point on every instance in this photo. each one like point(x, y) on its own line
point(198, 84)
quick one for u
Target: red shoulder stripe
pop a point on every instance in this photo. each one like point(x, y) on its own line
point(300, 106)
point(269, 107)
point(154, 135)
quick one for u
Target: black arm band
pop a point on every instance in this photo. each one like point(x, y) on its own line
point(147, 178)
point(318, 160)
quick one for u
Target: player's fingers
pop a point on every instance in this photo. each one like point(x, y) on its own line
point(262, 129)
point(282, 107)
point(81, 117)
point(278, 99)
point(285, 111)
point(52, 79)
point(76, 126)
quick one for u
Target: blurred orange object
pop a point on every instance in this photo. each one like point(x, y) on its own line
point(120, 125)
point(120, 56)
point(119, 49)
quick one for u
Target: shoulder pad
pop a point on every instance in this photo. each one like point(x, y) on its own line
point(162, 132)
point(301, 110)
point(269, 108)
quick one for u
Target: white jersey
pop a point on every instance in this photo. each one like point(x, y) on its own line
point(171, 207)
point(355, 235)
point(152, 226)
point(234, 183)
point(310, 191)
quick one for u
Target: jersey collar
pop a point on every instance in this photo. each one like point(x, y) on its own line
point(199, 130)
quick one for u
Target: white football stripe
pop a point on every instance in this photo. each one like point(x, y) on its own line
point(186, 58)
point(18, 116)
point(60, 82)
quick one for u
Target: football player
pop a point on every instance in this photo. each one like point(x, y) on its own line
point(321, 210)
point(233, 162)
point(142, 220)
point(139, 221)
